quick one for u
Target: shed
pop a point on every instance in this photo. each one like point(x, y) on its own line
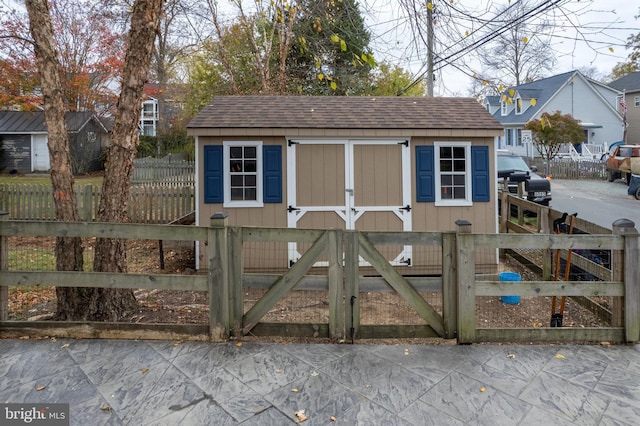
point(366, 163)
point(24, 136)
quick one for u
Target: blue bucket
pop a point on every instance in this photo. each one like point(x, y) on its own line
point(510, 276)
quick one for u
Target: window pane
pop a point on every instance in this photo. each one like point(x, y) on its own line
point(250, 180)
point(236, 180)
point(250, 166)
point(445, 193)
point(459, 165)
point(236, 166)
point(446, 166)
point(446, 152)
point(446, 180)
point(235, 152)
point(250, 194)
point(236, 194)
point(459, 180)
point(458, 152)
point(250, 152)
point(458, 193)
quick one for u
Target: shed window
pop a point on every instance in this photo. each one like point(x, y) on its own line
point(243, 174)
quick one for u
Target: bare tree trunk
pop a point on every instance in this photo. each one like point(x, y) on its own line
point(68, 250)
point(110, 254)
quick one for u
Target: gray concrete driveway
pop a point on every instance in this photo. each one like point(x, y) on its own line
point(117, 382)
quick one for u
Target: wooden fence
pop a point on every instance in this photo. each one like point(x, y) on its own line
point(163, 170)
point(153, 203)
point(340, 279)
point(569, 169)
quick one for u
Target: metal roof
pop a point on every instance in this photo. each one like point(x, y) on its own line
point(28, 122)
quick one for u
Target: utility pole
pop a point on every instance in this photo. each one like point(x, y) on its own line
point(430, 49)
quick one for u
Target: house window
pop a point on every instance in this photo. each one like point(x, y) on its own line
point(508, 135)
point(518, 105)
point(503, 107)
point(636, 101)
point(518, 137)
point(243, 165)
point(452, 160)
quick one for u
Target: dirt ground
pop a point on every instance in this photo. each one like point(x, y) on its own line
point(185, 307)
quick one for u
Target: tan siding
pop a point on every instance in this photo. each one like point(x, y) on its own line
point(378, 176)
point(320, 175)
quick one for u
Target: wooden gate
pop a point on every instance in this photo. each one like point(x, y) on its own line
point(342, 283)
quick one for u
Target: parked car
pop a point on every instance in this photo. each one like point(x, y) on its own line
point(536, 187)
point(619, 161)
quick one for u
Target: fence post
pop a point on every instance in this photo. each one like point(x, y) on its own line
point(449, 290)
point(218, 278)
point(336, 285)
point(352, 284)
point(466, 273)
point(626, 267)
point(4, 265)
point(236, 293)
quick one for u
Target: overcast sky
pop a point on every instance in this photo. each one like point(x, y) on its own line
point(606, 24)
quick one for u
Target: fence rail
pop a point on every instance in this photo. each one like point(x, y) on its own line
point(341, 282)
point(150, 203)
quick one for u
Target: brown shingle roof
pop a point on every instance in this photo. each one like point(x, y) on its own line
point(343, 112)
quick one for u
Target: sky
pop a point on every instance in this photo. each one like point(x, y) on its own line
point(592, 34)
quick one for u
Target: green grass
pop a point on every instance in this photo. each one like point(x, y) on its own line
point(46, 179)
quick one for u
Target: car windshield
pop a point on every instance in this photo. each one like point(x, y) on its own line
point(512, 163)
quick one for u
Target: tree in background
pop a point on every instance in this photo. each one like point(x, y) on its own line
point(110, 254)
point(90, 46)
point(633, 64)
point(331, 54)
point(553, 130)
point(391, 80)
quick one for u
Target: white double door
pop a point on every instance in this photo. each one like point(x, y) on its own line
point(350, 184)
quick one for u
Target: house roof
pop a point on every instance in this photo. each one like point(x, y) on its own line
point(628, 83)
point(27, 122)
point(343, 112)
point(541, 90)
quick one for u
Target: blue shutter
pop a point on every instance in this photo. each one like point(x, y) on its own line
point(425, 174)
point(272, 173)
point(480, 173)
point(213, 180)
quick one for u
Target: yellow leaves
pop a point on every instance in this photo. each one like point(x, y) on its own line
point(239, 344)
point(509, 101)
point(519, 103)
point(504, 98)
point(560, 356)
point(483, 389)
point(484, 83)
point(320, 76)
point(512, 92)
point(333, 85)
point(40, 388)
point(144, 370)
point(466, 33)
point(533, 102)
point(335, 38)
point(343, 45)
point(611, 49)
point(525, 40)
point(429, 5)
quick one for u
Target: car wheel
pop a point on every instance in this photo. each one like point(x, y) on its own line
point(637, 194)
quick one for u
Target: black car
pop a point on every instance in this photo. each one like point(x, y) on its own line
point(537, 188)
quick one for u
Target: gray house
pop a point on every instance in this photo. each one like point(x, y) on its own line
point(594, 104)
point(629, 85)
point(24, 136)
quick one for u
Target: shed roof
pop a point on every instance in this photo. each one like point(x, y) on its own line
point(343, 112)
point(27, 122)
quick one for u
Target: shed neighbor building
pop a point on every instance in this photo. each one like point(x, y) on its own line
point(365, 163)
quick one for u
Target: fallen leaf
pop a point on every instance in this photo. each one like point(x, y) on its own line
point(278, 371)
point(40, 388)
point(53, 339)
point(66, 345)
point(314, 373)
point(300, 416)
point(332, 418)
point(482, 389)
point(144, 370)
point(606, 344)
point(512, 356)
point(239, 344)
point(105, 408)
point(294, 390)
point(559, 356)
point(176, 344)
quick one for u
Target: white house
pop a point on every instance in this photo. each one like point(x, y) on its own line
point(594, 104)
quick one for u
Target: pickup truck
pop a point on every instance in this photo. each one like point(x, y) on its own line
point(619, 162)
